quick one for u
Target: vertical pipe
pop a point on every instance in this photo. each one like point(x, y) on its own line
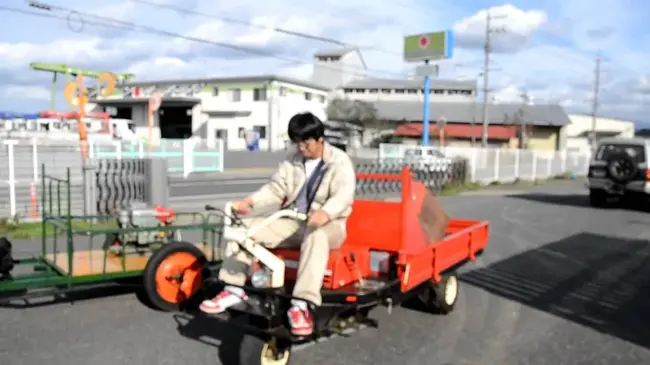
point(425, 109)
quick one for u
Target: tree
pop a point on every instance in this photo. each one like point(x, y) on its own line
point(359, 112)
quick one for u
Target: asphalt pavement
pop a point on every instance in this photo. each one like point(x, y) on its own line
point(559, 283)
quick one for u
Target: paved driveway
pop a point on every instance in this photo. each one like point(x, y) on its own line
point(560, 283)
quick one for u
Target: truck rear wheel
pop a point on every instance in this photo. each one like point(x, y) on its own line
point(441, 297)
point(174, 276)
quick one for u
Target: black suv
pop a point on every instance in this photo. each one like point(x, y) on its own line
point(619, 168)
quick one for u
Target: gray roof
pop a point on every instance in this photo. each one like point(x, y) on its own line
point(230, 80)
point(374, 83)
point(462, 112)
point(335, 52)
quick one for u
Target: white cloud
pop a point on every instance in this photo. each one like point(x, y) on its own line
point(511, 25)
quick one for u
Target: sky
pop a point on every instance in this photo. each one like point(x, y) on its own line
point(545, 48)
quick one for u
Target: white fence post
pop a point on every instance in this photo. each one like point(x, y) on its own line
point(12, 177)
point(188, 157)
point(496, 164)
point(221, 156)
point(474, 160)
point(517, 157)
point(118, 150)
point(549, 166)
point(534, 172)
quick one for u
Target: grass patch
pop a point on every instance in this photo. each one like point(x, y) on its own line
point(34, 229)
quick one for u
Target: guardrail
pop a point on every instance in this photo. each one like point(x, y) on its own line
point(488, 165)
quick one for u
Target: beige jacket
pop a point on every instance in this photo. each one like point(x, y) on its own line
point(335, 194)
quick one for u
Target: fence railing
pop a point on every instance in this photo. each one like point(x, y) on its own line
point(487, 165)
point(20, 162)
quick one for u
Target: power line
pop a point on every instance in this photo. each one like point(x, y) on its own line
point(121, 24)
point(259, 26)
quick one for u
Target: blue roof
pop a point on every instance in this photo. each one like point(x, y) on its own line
point(12, 115)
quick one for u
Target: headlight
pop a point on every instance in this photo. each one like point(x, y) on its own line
point(261, 278)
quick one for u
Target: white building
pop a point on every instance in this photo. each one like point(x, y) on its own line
point(222, 108)
point(581, 125)
point(338, 66)
point(407, 90)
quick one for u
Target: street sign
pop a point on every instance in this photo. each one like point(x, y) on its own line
point(427, 70)
point(429, 46)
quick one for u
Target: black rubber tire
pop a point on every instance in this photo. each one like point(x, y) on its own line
point(597, 198)
point(252, 348)
point(434, 297)
point(153, 298)
point(622, 158)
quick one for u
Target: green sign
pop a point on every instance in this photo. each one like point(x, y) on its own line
point(429, 46)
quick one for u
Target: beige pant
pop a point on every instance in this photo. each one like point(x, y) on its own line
point(314, 244)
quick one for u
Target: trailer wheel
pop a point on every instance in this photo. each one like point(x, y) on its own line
point(173, 276)
point(441, 297)
point(254, 350)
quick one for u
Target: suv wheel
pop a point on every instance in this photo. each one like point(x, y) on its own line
point(597, 198)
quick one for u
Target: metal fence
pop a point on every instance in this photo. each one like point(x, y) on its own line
point(20, 162)
point(488, 165)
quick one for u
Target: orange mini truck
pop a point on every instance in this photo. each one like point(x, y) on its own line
point(387, 258)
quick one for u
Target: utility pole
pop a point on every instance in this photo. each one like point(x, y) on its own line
point(525, 99)
point(487, 50)
point(595, 101)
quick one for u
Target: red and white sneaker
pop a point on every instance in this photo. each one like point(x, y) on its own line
point(301, 320)
point(229, 297)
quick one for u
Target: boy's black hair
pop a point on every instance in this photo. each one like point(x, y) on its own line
point(304, 126)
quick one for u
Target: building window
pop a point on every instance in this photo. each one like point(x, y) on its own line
point(259, 94)
point(321, 99)
point(347, 91)
point(215, 91)
point(308, 96)
point(399, 91)
point(385, 91)
point(412, 91)
point(283, 91)
point(437, 91)
point(360, 91)
point(466, 92)
point(261, 131)
point(453, 92)
point(373, 91)
point(235, 95)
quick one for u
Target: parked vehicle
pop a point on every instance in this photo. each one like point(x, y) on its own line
point(619, 168)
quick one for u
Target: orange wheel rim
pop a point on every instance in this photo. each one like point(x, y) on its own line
point(179, 276)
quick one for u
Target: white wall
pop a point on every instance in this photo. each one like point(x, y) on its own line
point(283, 101)
point(581, 124)
point(577, 132)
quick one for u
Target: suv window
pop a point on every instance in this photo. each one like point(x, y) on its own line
point(637, 152)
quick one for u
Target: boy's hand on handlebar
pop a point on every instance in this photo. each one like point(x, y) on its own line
point(318, 218)
point(242, 206)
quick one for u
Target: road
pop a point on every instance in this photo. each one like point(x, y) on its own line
point(560, 283)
